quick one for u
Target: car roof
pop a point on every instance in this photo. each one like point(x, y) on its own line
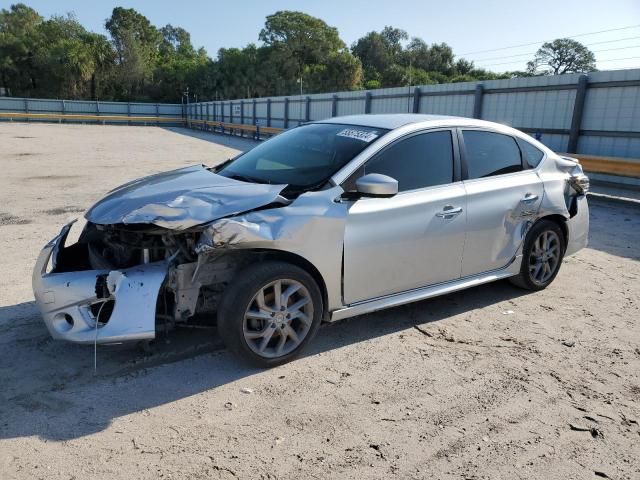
point(392, 121)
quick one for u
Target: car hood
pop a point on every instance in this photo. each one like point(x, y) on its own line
point(181, 199)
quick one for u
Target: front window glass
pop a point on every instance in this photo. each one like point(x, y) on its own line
point(305, 156)
point(420, 161)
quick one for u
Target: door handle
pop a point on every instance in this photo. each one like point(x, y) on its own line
point(449, 211)
point(529, 197)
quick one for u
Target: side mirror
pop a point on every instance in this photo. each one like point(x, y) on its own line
point(377, 185)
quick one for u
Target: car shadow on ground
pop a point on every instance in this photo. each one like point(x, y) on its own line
point(49, 389)
point(618, 228)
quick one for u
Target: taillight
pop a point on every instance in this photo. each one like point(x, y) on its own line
point(580, 183)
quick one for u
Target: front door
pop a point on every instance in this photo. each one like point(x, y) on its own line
point(415, 238)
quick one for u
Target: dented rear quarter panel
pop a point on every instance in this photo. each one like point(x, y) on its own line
point(555, 173)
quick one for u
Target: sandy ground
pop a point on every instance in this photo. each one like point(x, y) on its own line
point(477, 384)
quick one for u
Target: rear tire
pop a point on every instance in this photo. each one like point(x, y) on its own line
point(269, 312)
point(542, 256)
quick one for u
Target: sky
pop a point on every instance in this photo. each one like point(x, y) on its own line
point(491, 33)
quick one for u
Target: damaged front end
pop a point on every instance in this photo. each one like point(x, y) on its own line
point(119, 283)
point(88, 304)
point(135, 269)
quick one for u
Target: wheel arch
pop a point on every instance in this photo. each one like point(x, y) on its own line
point(299, 261)
point(561, 222)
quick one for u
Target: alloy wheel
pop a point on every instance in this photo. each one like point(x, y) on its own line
point(278, 318)
point(544, 257)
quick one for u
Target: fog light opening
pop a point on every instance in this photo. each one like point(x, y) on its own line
point(63, 322)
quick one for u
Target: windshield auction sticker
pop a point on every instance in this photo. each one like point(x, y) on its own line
point(362, 135)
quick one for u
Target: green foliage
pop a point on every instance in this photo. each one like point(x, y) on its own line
point(301, 46)
point(18, 41)
point(379, 52)
point(58, 57)
point(387, 63)
point(563, 55)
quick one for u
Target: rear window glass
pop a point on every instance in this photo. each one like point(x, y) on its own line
point(531, 154)
point(488, 154)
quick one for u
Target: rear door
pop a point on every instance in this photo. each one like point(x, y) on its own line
point(415, 238)
point(503, 196)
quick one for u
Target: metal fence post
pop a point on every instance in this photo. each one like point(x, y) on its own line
point(307, 110)
point(367, 102)
point(334, 106)
point(98, 111)
point(157, 114)
point(128, 113)
point(26, 108)
point(254, 119)
point(416, 100)
point(576, 118)
point(477, 101)
point(242, 113)
point(64, 111)
point(268, 112)
point(222, 112)
point(286, 112)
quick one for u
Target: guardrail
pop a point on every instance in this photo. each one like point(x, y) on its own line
point(608, 165)
point(256, 131)
point(84, 118)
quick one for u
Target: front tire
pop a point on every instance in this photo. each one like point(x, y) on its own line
point(269, 312)
point(542, 256)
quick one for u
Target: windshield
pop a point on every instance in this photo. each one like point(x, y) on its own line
point(303, 157)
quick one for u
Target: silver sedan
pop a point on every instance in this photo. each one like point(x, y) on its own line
point(325, 221)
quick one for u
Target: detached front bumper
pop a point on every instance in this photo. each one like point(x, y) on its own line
point(69, 301)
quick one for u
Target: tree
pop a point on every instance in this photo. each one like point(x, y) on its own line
point(238, 71)
point(137, 43)
point(378, 51)
point(435, 58)
point(339, 71)
point(70, 58)
point(306, 40)
point(297, 42)
point(58, 57)
point(176, 66)
point(18, 41)
point(563, 55)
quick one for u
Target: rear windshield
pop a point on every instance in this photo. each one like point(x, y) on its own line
point(304, 157)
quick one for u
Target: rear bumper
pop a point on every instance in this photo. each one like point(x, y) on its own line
point(65, 300)
point(578, 227)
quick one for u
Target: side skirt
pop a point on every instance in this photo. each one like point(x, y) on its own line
point(423, 293)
